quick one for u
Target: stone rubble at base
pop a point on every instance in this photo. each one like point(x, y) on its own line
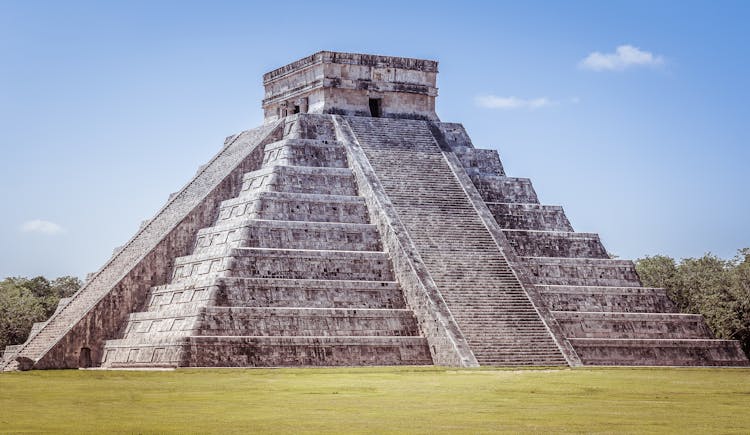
point(355, 228)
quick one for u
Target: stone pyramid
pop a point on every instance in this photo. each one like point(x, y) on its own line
point(356, 228)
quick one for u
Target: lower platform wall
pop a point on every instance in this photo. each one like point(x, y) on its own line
point(659, 352)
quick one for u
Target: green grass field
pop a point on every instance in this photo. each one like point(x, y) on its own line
point(377, 400)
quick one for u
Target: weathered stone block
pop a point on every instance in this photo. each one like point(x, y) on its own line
point(505, 189)
point(295, 207)
point(277, 292)
point(583, 271)
point(305, 152)
point(316, 322)
point(305, 351)
point(533, 243)
point(632, 325)
point(300, 179)
point(289, 235)
point(612, 299)
point(529, 216)
point(598, 351)
point(305, 264)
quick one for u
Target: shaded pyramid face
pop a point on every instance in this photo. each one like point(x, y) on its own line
point(363, 232)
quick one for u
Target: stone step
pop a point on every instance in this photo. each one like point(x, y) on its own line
point(507, 305)
point(208, 351)
point(133, 353)
point(500, 343)
point(9, 366)
point(274, 292)
point(506, 321)
point(166, 324)
point(36, 327)
point(203, 266)
point(311, 126)
point(529, 354)
point(453, 134)
point(523, 353)
point(615, 299)
point(227, 321)
point(577, 324)
point(260, 233)
point(255, 321)
point(521, 346)
point(10, 352)
point(62, 303)
point(295, 207)
point(286, 263)
point(522, 363)
point(480, 161)
point(310, 264)
point(190, 293)
point(534, 243)
point(494, 188)
point(655, 352)
point(582, 271)
point(300, 179)
point(305, 152)
point(520, 216)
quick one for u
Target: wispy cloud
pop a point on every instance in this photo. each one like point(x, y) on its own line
point(624, 57)
point(509, 103)
point(42, 227)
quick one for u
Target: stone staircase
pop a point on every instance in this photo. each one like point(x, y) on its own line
point(603, 310)
point(291, 274)
point(483, 294)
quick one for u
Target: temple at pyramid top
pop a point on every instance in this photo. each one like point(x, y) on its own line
point(352, 84)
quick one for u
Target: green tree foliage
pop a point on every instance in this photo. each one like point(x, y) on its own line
point(661, 271)
point(24, 301)
point(716, 288)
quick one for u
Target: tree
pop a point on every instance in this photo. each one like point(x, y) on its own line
point(741, 292)
point(19, 309)
point(661, 271)
point(24, 301)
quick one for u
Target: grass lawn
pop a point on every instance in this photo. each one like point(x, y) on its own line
point(377, 400)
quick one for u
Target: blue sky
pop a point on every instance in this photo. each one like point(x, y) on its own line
point(106, 108)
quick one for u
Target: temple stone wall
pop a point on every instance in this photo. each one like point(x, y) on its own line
point(607, 299)
point(345, 83)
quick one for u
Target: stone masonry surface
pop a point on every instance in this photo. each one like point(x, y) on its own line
point(355, 228)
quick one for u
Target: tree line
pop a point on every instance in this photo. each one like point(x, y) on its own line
point(718, 289)
point(24, 301)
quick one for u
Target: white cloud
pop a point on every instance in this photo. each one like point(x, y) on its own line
point(508, 103)
point(625, 56)
point(42, 227)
